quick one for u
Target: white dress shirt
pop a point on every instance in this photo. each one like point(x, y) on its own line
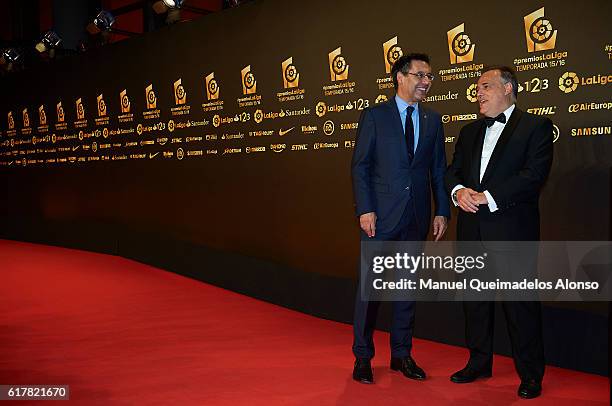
point(490, 141)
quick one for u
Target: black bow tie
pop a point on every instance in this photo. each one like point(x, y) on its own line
point(490, 121)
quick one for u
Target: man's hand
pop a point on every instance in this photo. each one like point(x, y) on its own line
point(467, 201)
point(439, 226)
point(480, 198)
point(367, 221)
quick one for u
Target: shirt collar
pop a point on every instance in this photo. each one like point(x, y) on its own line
point(508, 112)
point(402, 104)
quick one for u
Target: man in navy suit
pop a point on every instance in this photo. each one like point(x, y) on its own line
point(399, 160)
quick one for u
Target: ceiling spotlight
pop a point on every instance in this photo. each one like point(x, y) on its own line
point(173, 3)
point(103, 22)
point(10, 55)
point(49, 40)
point(160, 7)
point(10, 60)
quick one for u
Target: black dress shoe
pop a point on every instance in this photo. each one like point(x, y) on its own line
point(408, 367)
point(530, 389)
point(362, 372)
point(467, 375)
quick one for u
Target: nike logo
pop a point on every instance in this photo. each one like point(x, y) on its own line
point(75, 148)
point(282, 132)
point(151, 156)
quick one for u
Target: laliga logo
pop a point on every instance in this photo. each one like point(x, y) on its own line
point(381, 98)
point(460, 47)
point(321, 109)
point(212, 87)
point(249, 84)
point(150, 97)
point(42, 116)
point(26, 118)
point(125, 101)
point(258, 116)
point(539, 32)
point(80, 109)
point(101, 106)
point(391, 52)
point(472, 93)
point(60, 112)
point(291, 77)
point(338, 68)
point(568, 82)
point(180, 95)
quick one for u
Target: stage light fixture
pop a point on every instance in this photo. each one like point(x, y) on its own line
point(173, 3)
point(10, 55)
point(103, 22)
point(162, 6)
point(50, 40)
point(10, 60)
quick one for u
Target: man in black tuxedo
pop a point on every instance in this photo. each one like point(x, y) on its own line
point(500, 163)
point(398, 162)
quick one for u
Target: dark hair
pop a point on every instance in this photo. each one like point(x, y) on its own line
point(403, 64)
point(508, 75)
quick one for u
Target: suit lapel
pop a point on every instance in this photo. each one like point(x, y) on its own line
point(423, 123)
point(397, 121)
point(477, 151)
point(502, 142)
point(397, 126)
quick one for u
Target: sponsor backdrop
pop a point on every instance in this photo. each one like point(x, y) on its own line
point(231, 137)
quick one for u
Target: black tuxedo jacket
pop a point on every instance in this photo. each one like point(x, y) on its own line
point(518, 168)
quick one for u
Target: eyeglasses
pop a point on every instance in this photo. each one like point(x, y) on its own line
point(422, 75)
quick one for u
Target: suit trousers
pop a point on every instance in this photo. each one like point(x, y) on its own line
point(523, 320)
point(402, 322)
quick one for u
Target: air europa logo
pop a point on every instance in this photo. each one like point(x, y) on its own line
point(575, 108)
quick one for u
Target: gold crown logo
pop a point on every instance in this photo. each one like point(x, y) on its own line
point(460, 46)
point(539, 32)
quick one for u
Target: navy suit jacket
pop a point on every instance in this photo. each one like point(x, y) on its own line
point(385, 182)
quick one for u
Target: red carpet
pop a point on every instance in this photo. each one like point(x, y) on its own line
point(122, 333)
